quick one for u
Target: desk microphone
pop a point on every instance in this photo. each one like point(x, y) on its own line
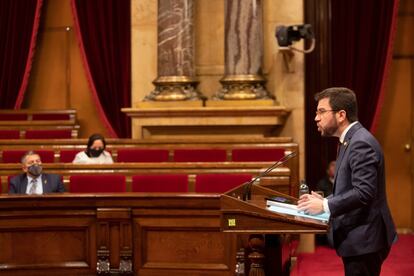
point(247, 194)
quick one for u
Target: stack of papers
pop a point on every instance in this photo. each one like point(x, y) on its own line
point(291, 209)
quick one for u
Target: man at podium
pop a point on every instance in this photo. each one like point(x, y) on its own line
point(361, 227)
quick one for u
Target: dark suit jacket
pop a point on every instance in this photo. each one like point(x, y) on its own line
point(361, 221)
point(325, 185)
point(52, 183)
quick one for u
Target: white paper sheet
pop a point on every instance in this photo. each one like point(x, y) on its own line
point(291, 209)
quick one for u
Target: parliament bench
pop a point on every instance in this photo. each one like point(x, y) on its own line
point(66, 115)
point(269, 149)
point(280, 179)
point(169, 147)
point(35, 131)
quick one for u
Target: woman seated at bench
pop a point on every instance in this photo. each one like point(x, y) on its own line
point(95, 152)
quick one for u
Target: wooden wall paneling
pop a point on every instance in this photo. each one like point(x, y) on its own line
point(114, 241)
point(188, 242)
point(47, 241)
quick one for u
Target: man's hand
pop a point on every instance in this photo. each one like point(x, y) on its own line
point(311, 203)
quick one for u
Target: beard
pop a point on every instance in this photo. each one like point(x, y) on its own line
point(329, 130)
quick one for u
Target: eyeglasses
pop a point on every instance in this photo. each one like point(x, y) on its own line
point(320, 112)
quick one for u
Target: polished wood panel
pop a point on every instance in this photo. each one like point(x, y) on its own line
point(138, 234)
point(152, 234)
point(46, 240)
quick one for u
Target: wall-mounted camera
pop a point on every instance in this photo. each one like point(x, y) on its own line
point(286, 35)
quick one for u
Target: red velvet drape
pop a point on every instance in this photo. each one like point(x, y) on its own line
point(354, 48)
point(19, 22)
point(362, 33)
point(103, 28)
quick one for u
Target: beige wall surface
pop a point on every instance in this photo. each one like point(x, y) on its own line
point(395, 129)
point(58, 79)
point(288, 87)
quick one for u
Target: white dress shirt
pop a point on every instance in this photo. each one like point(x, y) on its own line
point(83, 158)
point(39, 186)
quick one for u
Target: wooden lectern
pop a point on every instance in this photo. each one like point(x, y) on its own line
point(252, 217)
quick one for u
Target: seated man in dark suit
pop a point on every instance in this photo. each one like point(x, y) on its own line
point(33, 181)
point(325, 184)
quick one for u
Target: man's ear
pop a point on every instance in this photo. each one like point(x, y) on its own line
point(341, 115)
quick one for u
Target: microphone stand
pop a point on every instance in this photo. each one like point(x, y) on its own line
point(247, 194)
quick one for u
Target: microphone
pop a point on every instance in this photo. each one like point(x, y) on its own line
point(247, 194)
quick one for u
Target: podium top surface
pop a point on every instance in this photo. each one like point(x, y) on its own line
point(253, 216)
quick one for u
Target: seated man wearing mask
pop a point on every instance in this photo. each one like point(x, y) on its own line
point(33, 181)
point(95, 152)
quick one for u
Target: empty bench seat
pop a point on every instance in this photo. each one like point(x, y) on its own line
point(97, 183)
point(257, 154)
point(142, 155)
point(171, 183)
point(219, 183)
point(15, 156)
point(48, 134)
point(200, 155)
point(9, 134)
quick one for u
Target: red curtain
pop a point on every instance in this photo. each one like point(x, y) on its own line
point(354, 49)
point(362, 35)
point(103, 28)
point(19, 22)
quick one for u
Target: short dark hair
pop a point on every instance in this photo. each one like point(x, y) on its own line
point(92, 139)
point(341, 98)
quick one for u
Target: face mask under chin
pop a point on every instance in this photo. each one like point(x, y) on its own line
point(95, 152)
point(35, 170)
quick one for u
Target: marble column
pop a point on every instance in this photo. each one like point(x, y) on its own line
point(176, 73)
point(243, 79)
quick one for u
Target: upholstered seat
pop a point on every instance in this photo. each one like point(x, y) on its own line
point(15, 156)
point(257, 155)
point(99, 183)
point(9, 134)
point(219, 183)
point(48, 134)
point(67, 155)
point(50, 117)
point(200, 155)
point(13, 117)
point(142, 155)
point(172, 183)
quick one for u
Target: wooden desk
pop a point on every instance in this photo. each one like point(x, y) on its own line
point(153, 234)
point(143, 234)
